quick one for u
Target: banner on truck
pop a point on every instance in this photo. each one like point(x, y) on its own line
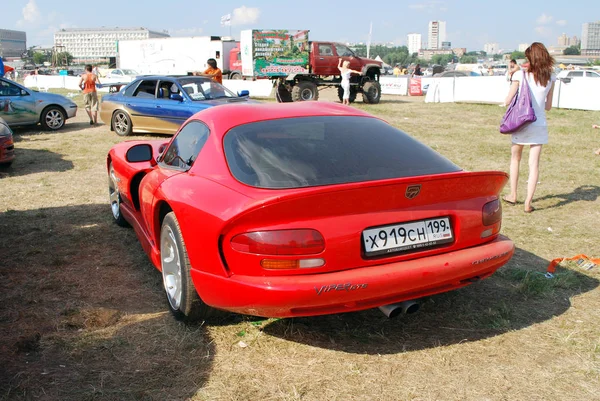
point(279, 52)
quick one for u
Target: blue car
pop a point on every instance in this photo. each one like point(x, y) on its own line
point(160, 104)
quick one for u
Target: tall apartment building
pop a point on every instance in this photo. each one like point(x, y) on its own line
point(491, 48)
point(99, 43)
point(437, 34)
point(564, 40)
point(590, 39)
point(12, 43)
point(413, 43)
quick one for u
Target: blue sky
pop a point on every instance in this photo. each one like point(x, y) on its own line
point(470, 24)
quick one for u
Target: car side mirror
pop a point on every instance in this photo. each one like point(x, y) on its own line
point(176, 96)
point(162, 147)
point(566, 80)
point(24, 92)
point(244, 93)
point(139, 153)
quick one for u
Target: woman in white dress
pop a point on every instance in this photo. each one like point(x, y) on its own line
point(345, 72)
point(539, 75)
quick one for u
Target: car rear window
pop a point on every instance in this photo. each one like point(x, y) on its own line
point(313, 151)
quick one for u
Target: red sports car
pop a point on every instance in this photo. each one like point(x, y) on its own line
point(301, 209)
point(7, 145)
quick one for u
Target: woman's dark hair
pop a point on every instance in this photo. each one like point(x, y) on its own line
point(541, 63)
point(88, 67)
point(512, 60)
point(212, 62)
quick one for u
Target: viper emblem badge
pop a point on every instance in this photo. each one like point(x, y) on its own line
point(412, 191)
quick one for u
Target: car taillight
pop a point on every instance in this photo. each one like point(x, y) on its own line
point(492, 213)
point(280, 242)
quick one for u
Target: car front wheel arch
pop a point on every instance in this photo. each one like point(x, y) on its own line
point(53, 117)
point(121, 123)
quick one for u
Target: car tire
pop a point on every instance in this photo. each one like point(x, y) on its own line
point(235, 75)
point(371, 92)
point(6, 165)
point(115, 198)
point(183, 300)
point(353, 94)
point(305, 91)
point(121, 123)
point(52, 118)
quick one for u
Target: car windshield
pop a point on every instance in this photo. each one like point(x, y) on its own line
point(129, 72)
point(313, 151)
point(199, 88)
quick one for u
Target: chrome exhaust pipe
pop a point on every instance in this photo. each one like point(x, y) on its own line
point(406, 307)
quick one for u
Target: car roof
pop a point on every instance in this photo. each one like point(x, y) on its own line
point(222, 118)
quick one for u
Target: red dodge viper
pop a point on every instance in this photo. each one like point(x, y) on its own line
point(301, 209)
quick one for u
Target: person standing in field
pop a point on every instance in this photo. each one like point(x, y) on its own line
point(345, 72)
point(88, 83)
point(213, 71)
point(540, 78)
point(512, 68)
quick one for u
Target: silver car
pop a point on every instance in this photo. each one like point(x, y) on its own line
point(22, 106)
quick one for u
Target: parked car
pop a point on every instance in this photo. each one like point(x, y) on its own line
point(456, 74)
point(263, 209)
point(578, 74)
point(160, 104)
point(7, 146)
point(23, 106)
point(122, 74)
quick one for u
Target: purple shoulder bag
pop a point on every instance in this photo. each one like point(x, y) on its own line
point(520, 111)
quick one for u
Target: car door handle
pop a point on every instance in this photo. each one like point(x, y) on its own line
point(128, 104)
point(321, 58)
point(158, 107)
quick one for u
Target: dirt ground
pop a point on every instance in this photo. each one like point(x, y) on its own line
point(83, 314)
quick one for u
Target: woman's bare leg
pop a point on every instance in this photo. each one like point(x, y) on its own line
point(535, 152)
point(515, 160)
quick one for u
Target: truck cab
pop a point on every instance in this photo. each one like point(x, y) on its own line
point(324, 60)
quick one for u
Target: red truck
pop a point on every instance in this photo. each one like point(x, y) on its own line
point(299, 67)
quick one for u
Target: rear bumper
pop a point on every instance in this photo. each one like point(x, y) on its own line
point(355, 289)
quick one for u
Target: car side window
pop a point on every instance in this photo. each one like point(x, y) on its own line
point(573, 74)
point(146, 89)
point(343, 51)
point(131, 88)
point(186, 145)
point(325, 50)
point(8, 89)
point(592, 74)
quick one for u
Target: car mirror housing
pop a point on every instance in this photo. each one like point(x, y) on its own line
point(24, 92)
point(139, 153)
point(162, 147)
point(176, 96)
point(244, 93)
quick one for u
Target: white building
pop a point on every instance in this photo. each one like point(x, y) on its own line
point(437, 34)
point(413, 43)
point(523, 46)
point(99, 43)
point(590, 39)
point(12, 43)
point(491, 48)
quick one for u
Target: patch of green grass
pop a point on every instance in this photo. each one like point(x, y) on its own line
point(536, 284)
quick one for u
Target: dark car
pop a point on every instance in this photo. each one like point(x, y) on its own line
point(160, 104)
point(7, 147)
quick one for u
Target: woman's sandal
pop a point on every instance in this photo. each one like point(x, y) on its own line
point(509, 202)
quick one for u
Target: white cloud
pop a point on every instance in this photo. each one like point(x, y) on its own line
point(543, 31)
point(544, 19)
point(432, 5)
point(561, 22)
point(245, 16)
point(186, 32)
point(31, 14)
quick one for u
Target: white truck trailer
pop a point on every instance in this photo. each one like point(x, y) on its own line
point(174, 56)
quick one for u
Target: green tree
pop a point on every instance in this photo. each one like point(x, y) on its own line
point(572, 51)
point(442, 59)
point(498, 57)
point(62, 59)
point(517, 55)
point(39, 58)
point(468, 59)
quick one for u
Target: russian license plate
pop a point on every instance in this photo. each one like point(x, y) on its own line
point(406, 237)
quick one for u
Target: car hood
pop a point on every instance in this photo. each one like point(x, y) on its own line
point(216, 102)
point(52, 97)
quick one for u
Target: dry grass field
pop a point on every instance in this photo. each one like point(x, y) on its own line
point(83, 315)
